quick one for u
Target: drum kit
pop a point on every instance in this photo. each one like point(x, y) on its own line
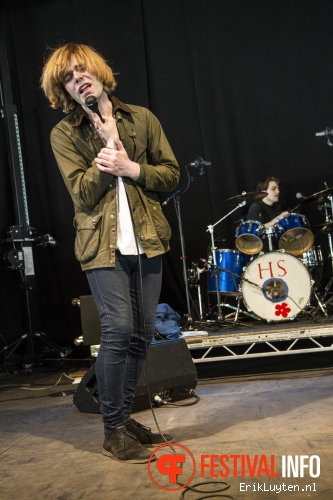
point(271, 269)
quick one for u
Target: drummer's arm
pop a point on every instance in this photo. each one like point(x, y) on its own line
point(271, 222)
point(276, 219)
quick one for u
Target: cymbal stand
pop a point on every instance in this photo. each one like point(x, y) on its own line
point(329, 222)
point(211, 231)
point(269, 232)
point(328, 230)
point(176, 199)
point(322, 303)
point(198, 163)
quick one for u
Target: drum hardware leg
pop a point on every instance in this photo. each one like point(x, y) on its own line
point(193, 277)
point(328, 302)
point(329, 284)
point(328, 230)
point(210, 229)
point(218, 294)
point(217, 270)
point(220, 317)
point(238, 307)
point(200, 302)
point(320, 305)
point(327, 288)
point(323, 304)
point(238, 310)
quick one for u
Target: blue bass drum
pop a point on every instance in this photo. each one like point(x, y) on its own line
point(232, 261)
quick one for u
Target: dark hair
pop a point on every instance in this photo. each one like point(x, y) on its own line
point(264, 183)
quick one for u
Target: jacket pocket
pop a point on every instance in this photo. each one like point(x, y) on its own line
point(161, 224)
point(87, 235)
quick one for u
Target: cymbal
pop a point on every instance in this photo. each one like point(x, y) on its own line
point(317, 197)
point(247, 197)
point(325, 224)
point(324, 228)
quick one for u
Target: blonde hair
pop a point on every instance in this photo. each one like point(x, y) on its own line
point(52, 79)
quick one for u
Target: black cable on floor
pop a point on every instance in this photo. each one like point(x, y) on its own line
point(208, 494)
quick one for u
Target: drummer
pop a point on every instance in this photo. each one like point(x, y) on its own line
point(267, 210)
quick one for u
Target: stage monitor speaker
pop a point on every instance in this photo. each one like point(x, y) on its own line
point(171, 374)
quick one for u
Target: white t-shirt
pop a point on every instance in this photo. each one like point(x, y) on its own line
point(125, 237)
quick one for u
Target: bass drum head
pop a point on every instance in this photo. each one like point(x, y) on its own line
point(276, 286)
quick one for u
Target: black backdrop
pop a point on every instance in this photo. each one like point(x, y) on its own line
point(245, 84)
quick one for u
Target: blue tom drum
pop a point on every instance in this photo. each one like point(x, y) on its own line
point(249, 237)
point(294, 234)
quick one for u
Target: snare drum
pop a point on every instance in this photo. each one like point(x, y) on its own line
point(232, 261)
point(249, 237)
point(313, 260)
point(312, 257)
point(294, 234)
point(276, 286)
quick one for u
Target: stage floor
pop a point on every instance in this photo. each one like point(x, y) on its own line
point(50, 450)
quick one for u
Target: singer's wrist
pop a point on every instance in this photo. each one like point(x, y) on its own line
point(135, 171)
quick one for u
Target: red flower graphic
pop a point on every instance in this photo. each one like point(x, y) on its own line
point(282, 310)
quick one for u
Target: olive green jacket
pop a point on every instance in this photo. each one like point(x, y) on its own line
point(75, 144)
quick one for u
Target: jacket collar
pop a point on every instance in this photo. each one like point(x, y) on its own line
point(76, 116)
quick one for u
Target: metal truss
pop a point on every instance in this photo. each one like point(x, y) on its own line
point(257, 345)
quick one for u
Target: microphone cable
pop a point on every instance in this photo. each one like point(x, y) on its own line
point(139, 256)
point(187, 488)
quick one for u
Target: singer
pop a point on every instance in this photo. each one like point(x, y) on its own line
point(115, 172)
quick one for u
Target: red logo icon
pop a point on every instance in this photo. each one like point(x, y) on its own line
point(172, 471)
point(282, 310)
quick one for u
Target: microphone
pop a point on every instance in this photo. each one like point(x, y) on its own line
point(200, 163)
point(328, 132)
point(92, 103)
point(299, 196)
point(47, 239)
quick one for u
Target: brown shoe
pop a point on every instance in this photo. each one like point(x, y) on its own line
point(122, 445)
